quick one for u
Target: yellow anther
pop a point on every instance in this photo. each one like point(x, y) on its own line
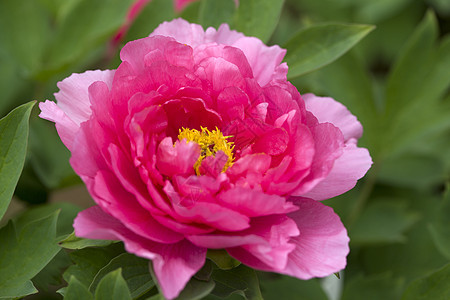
point(210, 143)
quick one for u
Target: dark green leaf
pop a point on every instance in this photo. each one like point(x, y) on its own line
point(212, 13)
point(383, 221)
point(375, 287)
point(284, 287)
point(319, 45)
point(112, 287)
point(435, 286)
point(76, 291)
point(51, 275)
point(24, 253)
point(439, 227)
point(74, 242)
point(242, 280)
point(222, 259)
point(196, 289)
point(89, 261)
point(134, 271)
point(258, 17)
point(13, 141)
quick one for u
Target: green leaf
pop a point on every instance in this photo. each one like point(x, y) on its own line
point(196, 289)
point(24, 253)
point(213, 13)
point(24, 32)
point(135, 272)
point(112, 287)
point(89, 261)
point(153, 14)
point(73, 242)
point(383, 221)
point(316, 46)
point(88, 24)
point(51, 275)
point(434, 286)
point(242, 280)
point(13, 141)
point(276, 287)
point(76, 291)
point(12, 84)
point(439, 227)
point(222, 259)
point(258, 17)
point(374, 287)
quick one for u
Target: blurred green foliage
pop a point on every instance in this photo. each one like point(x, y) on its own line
point(395, 80)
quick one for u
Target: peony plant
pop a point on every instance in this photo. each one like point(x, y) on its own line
point(197, 141)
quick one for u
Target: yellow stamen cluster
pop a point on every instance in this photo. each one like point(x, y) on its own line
point(210, 143)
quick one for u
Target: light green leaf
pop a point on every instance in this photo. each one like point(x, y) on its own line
point(112, 287)
point(196, 289)
point(383, 221)
point(242, 280)
point(316, 46)
point(258, 17)
point(135, 271)
point(373, 287)
point(212, 13)
point(13, 141)
point(434, 286)
point(25, 252)
point(24, 32)
point(77, 291)
point(74, 242)
point(88, 24)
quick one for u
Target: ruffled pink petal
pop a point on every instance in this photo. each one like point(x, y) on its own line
point(178, 159)
point(67, 129)
point(182, 31)
point(254, 203)
point(73, 96)
point(322, 246)
point(326, 109)
point(347, 169)
point(174, 264)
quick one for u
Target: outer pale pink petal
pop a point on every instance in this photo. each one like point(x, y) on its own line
point(73, 97)
point(67, 129)
point(182, 31)
point(347, 169)
point(322, 246)
point(326, 109)
point(174, 264)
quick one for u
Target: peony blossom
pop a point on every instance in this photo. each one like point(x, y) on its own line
point(197, 141)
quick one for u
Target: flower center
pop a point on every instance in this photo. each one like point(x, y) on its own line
point(210, 143)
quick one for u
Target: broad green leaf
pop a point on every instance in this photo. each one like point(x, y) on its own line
point(77, 291)
point(284, 287)
point(51, 275)
point(73, 242)
point(13, 141)
point(439, 227)
point(112, 287)
point(134, 271)
point(374, 287)
point(222, 259)
point(24, 32)
point(153, 14)
point(316, 46)
point(242, 280)
point(89, 261)
point(212, 13)
point(258, 17)
point(48, 155)
point(25, 252)
point(196, 289)
point(375, 11)
point(87, 25)
point(435, 286)
point(383, 221)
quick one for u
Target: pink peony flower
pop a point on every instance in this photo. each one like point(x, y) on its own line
point(198, 141)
